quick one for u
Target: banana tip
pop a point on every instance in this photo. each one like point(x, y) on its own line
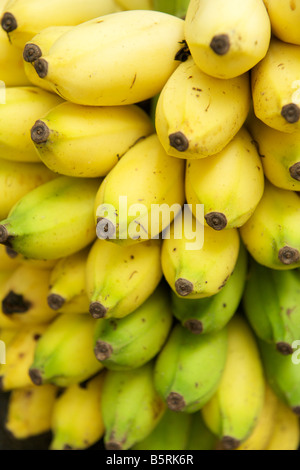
point(10, 252)
point(183, 287)
point(40, 132)
point(216, 220)
point(291, 113)
point(103, 350)
point(113, 445)
point(296, 410)
point(9, 22)
point(175, 402)
point(220, 44)
point(284, 348)
point(3, 234)
point(55, 301)
point(31, 52)
point(194, 326)
point(179, 141)
point(295, 171)
point(230, 443)
point(41, 67)
point(97, 310)
point(15, 303)
point(36, 376)
point(288, 255)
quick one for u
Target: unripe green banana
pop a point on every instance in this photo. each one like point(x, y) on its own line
point(22, 107)
point(210, 314)
point(135, 4)
point(200, 437)
point(227, 37)
point(271, 235)
point(153, 185)
point(131, 407)
point(132, 341)
point(106, 42)
point(283, 374)
point(271, 301)
point(171, 433)
point(234, 409)
point(189, 368)
point(54, 220)
point(64, 354)
point(197, 115)
point(85, 141)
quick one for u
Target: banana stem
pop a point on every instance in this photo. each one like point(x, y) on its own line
point(173, 7)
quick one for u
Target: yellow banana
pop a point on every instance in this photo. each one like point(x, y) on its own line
point(286, 430)
point(18, 179)
point(141, 195)
point(275, 87)
point(76, 421)
point(30, 410)
point(7, 334)
point(227, 37)
point(67, 284)
point(23, 19)
point(234, 410)
point(285, 18)
point(23, 105)
point(19, 356)
point(280, 153)
point(64, 354)
point(230, 184)
point(8, 263)
point(120, 278)
point(271, 235)
point(53, 220)
point(197, 115)
point(88, 141)
point(104, 43)
point(199, 271)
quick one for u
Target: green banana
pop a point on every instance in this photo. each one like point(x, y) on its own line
point(64, 354)
point(189, 368)
point(130, 342)
point(271, 302)
point(212, 313)
point(200, 437)
point(52, 221)
point(131, 407)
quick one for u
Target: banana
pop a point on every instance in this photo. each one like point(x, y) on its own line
point(30, 410)
point(233, 411)
point(275, 87)
point(189, 368)
point(132, 341)
point(106, 42)
point(7, 334)
point(22, 106)
point(35, 47)
point(20, 352)
point(24, 296)
point(7, 263)
point(67, 284)
point(13, 258)
point(285, 18)
point(141, 195)
point(286, 430)
point(76, 421)
point(283, 375)
point(120, 278)
point(64, 354)
point(176, 7)
point(131, 407)
point(53, 220)
point(23, 19)
point(88, 141)
point(200, 437)
point(271, 302)
point(195, 270)
point(227, 38)
point(198, 115)
point(171, 433)
point(230, 184)
point(211, 314)
point(18, 179)
point(271, 235)
point(280, 153)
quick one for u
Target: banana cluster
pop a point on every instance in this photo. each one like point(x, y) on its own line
point(150, 223)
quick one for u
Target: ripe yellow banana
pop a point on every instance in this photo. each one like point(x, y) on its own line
point(17, 179)
point(120, 278)
point(286, 430)
point(23, 19)
point(76, 421)
point(22, 107)
point(233, 411)
point(199, 272)
point(88, 141)
point(67, 284)
point(53, 220)
point(64, 354)
point(285, 18)
point(279, 151)
point(8, 263)
point(30, 410)
point(197, 115)
point(105, 43)
point(271, 235)
point(227, 38)
point(230, 184)
point(276, 87)
point(17, 258)
point(141, 195)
